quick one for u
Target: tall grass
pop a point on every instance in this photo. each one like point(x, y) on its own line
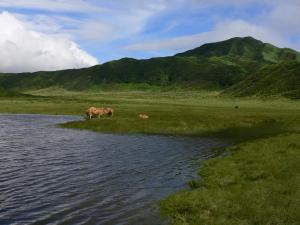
point(257, 184)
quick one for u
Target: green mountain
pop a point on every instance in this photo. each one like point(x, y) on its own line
point(279, 79)
point(8, 93)
point(248, 49)
point(218, 65)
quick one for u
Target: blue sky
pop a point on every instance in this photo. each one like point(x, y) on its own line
point(82, 33)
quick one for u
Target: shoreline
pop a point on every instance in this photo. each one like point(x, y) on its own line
point(179, 206)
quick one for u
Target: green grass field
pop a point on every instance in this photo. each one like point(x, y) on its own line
point(257, 183)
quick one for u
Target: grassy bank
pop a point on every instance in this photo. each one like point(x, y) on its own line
point(256, 184)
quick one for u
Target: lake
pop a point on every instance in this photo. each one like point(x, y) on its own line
point(51, 175)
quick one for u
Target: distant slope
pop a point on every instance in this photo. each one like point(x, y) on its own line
point(280, 79)
point(8, 93)
point(212, 66)
point(185, 71)
point(247, 48)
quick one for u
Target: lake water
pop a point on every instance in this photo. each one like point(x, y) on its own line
point(50, 175)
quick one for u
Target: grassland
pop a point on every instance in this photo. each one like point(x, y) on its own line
point(256, 184)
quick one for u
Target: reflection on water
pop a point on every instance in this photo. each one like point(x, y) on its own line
point(50, 175)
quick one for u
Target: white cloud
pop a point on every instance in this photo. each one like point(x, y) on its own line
point(277, 25)
point(117, 22)
point(121, 24)
point(223, 30)
point(110, 25)
point(284, 19)
point(23, 49)
point(95, 31)
point(53, 5)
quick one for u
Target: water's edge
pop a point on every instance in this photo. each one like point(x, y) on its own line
point(50, 174)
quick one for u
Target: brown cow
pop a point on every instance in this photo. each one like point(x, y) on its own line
point(94, 112)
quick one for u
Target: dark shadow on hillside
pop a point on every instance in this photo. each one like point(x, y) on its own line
point(264, 129)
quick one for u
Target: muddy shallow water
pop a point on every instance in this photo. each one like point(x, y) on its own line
point(50, 175)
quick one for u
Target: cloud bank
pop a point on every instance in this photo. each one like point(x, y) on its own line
point(53, 5)
point(276, 23)
point(110, 30)
point(222, 31)
point(25, 50)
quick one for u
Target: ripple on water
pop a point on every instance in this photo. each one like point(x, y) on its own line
point(50, 175)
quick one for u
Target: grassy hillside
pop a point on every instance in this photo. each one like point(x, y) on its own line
point(279, 79)
point(9, 93)
point(247, 48)
point(214, 66)
point(183, 71)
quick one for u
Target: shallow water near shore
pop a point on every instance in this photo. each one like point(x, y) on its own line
point(51, 175)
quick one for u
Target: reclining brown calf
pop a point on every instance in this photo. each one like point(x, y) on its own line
point(144, 116)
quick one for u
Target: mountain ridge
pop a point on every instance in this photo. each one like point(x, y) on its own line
point(247, 48)
point(219, 65)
